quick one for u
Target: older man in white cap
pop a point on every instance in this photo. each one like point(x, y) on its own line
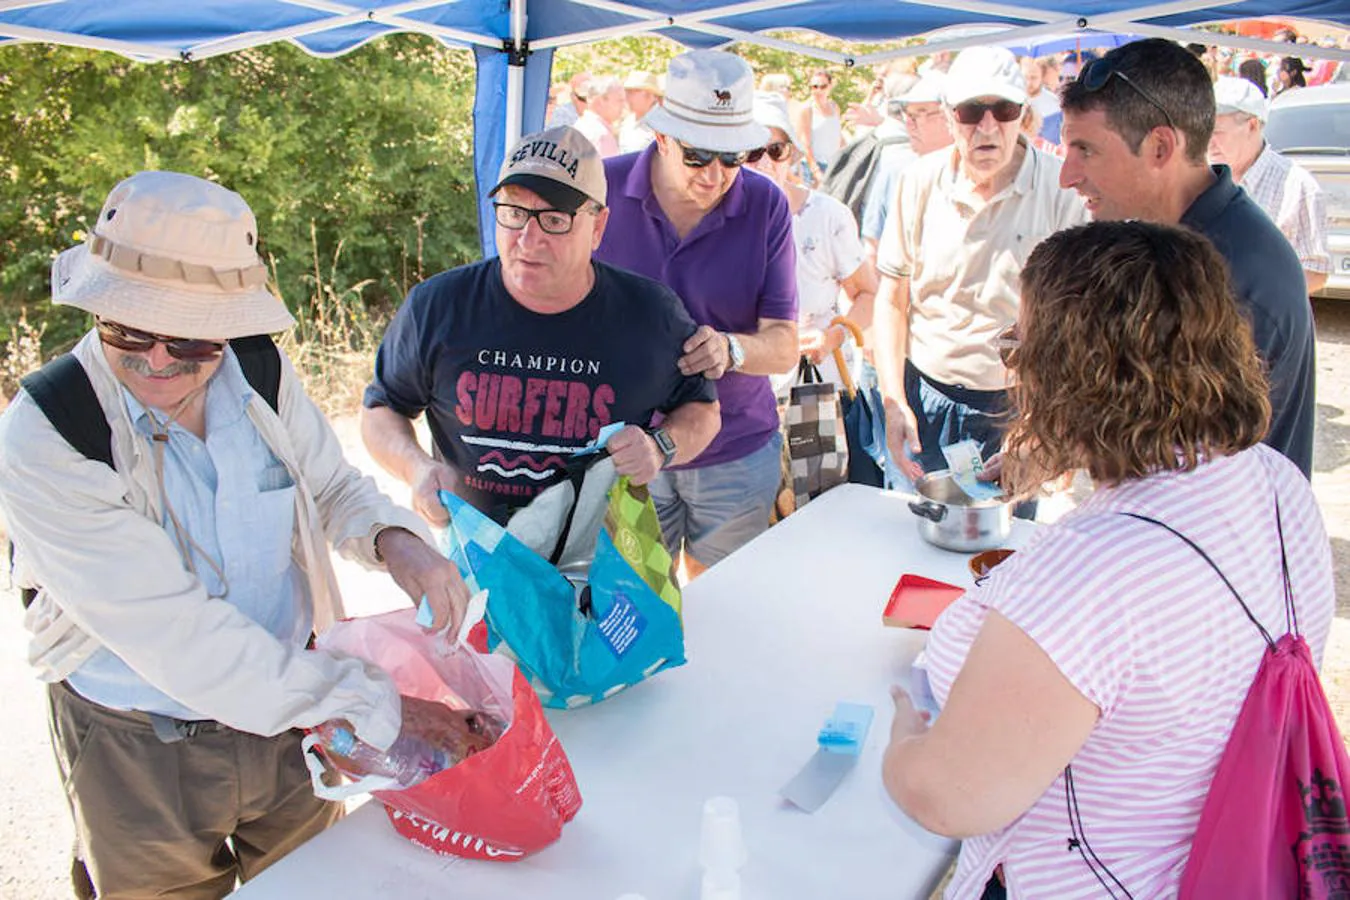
point(919, 112)
point(1285, 190)
point(684, 216)
point(521, 360)
point(171, 494)
point(950, 260)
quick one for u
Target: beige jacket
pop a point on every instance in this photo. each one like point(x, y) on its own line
point(111, 576)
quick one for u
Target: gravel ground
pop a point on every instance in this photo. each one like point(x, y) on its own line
point(35, 832)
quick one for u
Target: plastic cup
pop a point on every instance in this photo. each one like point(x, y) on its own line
point(720, 884)
point(721, 844)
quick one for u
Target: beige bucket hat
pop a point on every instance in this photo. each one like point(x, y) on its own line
point(710, 96)
point(172, 254)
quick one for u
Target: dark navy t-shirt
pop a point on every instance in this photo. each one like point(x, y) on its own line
point(509, 393)
point(1269, 282)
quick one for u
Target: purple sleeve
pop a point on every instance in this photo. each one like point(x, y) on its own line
point(778, 297)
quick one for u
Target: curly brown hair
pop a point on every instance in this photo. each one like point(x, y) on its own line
point(1134, 357)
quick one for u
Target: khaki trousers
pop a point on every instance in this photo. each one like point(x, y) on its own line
point(181, 819)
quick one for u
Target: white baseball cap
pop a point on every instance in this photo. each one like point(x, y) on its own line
point(984, 72)
point(1238, 95)
point(559, 164)
point(710, 98)
point(172, 254)
point(771, 112)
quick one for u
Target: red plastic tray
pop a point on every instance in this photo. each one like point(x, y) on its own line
point(916, 601)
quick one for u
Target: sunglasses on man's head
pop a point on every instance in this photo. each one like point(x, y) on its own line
point(778, 151)
point(696, 158)
point(134, 340)
point(1098, 72)
point(972, 112)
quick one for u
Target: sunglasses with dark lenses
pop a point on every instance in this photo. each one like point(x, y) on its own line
point(696, 158)
point(1007, 342)
point(552, 221)
point(820, 87)
point(778, 151)
point(133, 340)
point(972, 113)
point(1098, 72)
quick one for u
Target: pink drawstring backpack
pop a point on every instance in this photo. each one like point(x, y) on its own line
point(1274, 824)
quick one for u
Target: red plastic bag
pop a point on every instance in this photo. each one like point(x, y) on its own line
point(501, 803)
point(1274, 823)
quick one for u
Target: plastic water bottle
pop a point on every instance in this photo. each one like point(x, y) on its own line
point(408, 760)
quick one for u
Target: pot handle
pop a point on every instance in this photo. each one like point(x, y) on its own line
point(928, 509)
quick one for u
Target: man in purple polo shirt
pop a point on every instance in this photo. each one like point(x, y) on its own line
point(682, 212)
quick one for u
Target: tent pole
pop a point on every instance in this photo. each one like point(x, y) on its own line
point(515, 75)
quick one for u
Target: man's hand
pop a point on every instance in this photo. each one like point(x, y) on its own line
point(707, 351)
point(635, 454)
point(862, 115)
point(432, 477)
point(816, 345)
point(421, 572)
point(902, 433)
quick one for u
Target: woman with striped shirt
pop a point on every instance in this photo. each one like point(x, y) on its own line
point(1106, 642)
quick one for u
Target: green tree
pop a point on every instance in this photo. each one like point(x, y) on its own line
point(359, 168)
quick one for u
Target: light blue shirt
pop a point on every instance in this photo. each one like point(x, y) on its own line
point(236, 500)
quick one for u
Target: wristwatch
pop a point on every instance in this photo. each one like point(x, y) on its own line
point(735, 351)
point(664, 444)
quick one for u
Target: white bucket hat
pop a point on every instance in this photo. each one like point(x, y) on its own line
point(560, 164)
point(172, 254)
point(709, 103)
point(984, 72)
point(771, 112)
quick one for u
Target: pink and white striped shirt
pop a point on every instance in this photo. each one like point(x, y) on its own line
point(1144, 628)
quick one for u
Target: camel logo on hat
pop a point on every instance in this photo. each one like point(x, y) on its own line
point(546, 150)
point(723, 97)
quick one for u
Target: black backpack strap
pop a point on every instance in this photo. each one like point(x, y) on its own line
point(260, 361)
point(62, 391)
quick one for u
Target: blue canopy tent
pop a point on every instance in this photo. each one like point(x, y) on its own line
point(513, 40)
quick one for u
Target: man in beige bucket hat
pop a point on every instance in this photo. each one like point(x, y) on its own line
point(178, 577)
point(684, 214)
point(522, 360)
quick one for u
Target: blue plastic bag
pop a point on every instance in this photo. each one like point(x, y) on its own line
point(582, 639)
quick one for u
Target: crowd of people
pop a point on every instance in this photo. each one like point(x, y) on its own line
point(1129, 299)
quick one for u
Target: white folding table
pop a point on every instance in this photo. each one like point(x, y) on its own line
point(775, 635)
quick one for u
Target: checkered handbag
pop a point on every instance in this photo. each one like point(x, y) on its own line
point(817, 447)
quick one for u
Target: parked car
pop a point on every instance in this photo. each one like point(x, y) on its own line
point(1311, 126)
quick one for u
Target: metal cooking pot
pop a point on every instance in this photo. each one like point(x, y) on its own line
point(951, 519)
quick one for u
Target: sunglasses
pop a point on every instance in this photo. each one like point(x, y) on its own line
point(133, 340)
point(1098, 72)
point(1006, 342)
point(696, 158)
point(778, 151)
point(972, 113)
point(820, 87)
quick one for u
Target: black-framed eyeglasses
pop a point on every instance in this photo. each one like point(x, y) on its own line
point(778, 151)
point(551, 221)
point(972, 112)
point(1098, 72)
point(133, 340)
point(696, 158)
